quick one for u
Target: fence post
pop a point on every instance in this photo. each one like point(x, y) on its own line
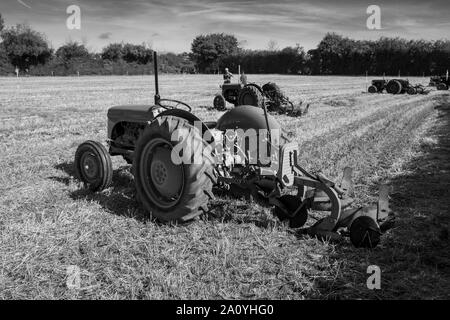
point(367, 74)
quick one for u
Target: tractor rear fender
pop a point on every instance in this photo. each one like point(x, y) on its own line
point(191, 118)
point(256, 86)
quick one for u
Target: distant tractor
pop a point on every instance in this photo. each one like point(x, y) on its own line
point(230, 93)
point(440, 82)
point(395, 86)
point(269, 95)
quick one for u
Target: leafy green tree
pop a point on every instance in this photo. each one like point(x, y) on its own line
point(136, 53)
point(209, 50)
point(25, 47)
point(128, 52)
point(113, 52)
point(5, 65)
point(72, 50)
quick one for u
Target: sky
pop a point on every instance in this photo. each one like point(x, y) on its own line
point(169, 25)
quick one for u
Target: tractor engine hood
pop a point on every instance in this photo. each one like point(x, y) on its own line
point(246, 117)
point(132, 113)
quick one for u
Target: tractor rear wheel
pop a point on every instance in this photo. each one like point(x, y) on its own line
point(219, 102)
point(442, 86)
point(93, 165)
point(394, 87)
point(272, 88)
point(173, 192)
point(372, 89)
point(250, 96)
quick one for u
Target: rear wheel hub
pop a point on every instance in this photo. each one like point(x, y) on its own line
point(164, 180)
point(165, 175)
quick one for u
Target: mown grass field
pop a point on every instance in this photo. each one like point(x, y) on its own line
point(48, 223)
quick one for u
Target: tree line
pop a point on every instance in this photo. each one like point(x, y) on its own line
point(26, 50)
point(334, 55)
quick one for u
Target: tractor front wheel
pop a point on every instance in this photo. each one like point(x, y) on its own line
point(93, 165)
point(372, 89)
point(219, 102)
point(250, 96)
point(171, 189)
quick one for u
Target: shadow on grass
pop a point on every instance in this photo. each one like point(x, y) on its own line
point(414, 257)
point(119, 198)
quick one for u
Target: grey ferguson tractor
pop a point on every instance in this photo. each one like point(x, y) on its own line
point(251, 94)
point(159, 141)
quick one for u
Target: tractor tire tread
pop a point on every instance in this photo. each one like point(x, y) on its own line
point(199, 177)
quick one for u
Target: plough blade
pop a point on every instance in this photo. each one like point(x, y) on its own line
point(383, 203)
point(380, 212)
point(347, 182)
point(365, 224)
point(321, 200)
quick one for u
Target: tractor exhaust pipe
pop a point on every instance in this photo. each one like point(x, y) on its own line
point(155, 67)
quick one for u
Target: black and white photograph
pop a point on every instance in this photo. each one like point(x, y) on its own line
point(224, 156)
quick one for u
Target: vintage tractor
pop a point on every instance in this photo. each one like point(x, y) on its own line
point(440, 82)
point(251, 94)
point(434, 80)
point(395, 86)
point(178, 160)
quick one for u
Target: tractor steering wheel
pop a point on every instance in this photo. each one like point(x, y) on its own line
point(166, 104)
